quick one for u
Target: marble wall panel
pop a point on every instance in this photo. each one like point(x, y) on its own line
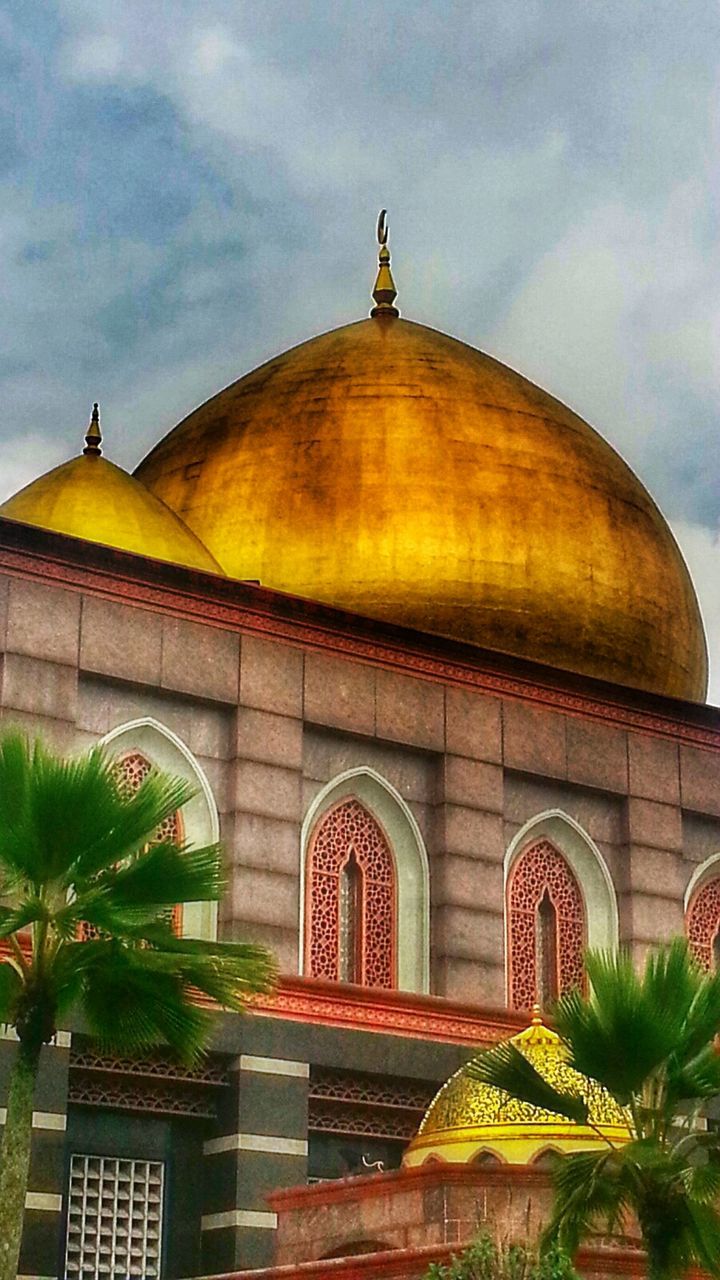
point(271, 675)
point(200, 660)
point(410, 710)
point(340, 693)
point(597, 755)
point(121, 641)
point(700, 780)
point(654, 768)
point(534, 740)
point(473, 724)
point(42, 621)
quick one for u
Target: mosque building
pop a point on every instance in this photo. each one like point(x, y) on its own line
point(432, 659)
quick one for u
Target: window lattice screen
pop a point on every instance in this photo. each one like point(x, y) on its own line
point(114, 1218)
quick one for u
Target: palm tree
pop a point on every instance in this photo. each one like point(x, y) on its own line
point(650, 1040)
point(76, 850)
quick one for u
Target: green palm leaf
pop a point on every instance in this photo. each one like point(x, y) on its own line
point(507, 1068)
point(645, 1015)
point(76, 846)
point(10, 992)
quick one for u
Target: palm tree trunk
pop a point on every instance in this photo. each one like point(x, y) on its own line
point(15, 1156)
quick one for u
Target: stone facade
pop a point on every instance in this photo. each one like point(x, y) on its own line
point(273, 699)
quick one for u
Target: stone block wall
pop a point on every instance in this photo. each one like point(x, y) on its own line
point(272, 721)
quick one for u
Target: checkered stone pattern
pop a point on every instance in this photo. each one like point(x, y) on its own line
point(115, 1213)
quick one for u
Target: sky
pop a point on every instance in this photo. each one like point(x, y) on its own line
point(189, 187)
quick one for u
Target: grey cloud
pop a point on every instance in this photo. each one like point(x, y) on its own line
point(191, 187)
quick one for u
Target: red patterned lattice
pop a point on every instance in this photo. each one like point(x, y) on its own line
point(541, 870)
point(702, 922)
point(133, 769)
point(346, 830)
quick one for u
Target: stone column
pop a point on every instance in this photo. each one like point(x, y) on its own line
point(651, 909)
point(266, 797)
point(261, 1144)
point(42, 1245)
point(467, 866)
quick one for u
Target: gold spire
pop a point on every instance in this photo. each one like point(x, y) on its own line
point(93, 438)
point(384, 292)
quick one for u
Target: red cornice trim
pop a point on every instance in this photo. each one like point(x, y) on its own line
point(334, 1004)
point(404, 1262)
point(365, 1266)
point(377, 1185)
point(26, 551)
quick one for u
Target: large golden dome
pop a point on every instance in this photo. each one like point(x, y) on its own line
point(468, 1120)
point(391, 470)
point(89, 497)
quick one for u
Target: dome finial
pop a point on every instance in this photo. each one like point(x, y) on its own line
point(537, 1018)
point(93, 439)
point(384, 292)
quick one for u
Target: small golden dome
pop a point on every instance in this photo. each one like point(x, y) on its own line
point(468, 1120)
point(391, 470)
point(89, 497)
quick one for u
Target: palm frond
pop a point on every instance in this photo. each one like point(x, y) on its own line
point(702, 1182)
point(702, 1234)
point(227, 979)
point(644, 1015)
point(131, 1007)
point(101, 825)
point(694, 1079)
point(28, 912)
point(702, 1023)
point(10, 991)
point(76, 846)
point(165, 875)
point(507, 1068)
point(592, 1189)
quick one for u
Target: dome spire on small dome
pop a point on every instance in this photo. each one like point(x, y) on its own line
point(93, 439)
point(384, 292)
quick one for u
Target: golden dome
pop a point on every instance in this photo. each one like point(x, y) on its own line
point(89, 497)
point(394, 471)
point(467, 1119)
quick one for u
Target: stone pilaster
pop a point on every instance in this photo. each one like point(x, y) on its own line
point(42, 1242)
point(260, 1144)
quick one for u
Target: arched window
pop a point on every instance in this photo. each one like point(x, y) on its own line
point(132, 770)
point(702, 923)
point(546, 927)
point(351, 898)
point(143, 744)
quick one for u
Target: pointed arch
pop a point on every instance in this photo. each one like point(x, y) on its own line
point(397, 823)
point(150, 740)
point(702, 911)
point(556, 883)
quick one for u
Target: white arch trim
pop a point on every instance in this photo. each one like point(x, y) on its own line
point(701, 873)
point(585, 860)
point(200, 816)
point(411, 864)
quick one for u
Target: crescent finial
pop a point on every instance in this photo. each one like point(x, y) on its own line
point(384, 293)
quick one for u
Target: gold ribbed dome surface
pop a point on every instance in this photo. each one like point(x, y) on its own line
point(89, 497)
point(394, 471)
point(468, 1119)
